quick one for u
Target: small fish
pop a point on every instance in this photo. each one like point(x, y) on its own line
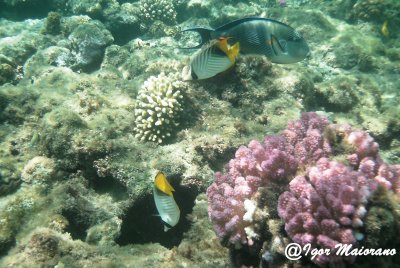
point(385, 29)
point(215, 58)
point(256, 35)
point(165, 202)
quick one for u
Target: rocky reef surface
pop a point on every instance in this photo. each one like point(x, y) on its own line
point(80, 141)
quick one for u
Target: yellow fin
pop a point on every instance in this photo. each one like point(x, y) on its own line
point(233, 52)
point(162, 184)
point(230, 51)
point(385, 29)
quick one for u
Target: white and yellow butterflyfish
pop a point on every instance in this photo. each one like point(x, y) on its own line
point(214, 58)
point(165, 202)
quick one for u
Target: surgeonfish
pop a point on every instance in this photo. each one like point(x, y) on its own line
point(213, 59)
point(256, 35)
point(165, 202)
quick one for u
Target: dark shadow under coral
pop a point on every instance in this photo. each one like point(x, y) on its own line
point(142, 224)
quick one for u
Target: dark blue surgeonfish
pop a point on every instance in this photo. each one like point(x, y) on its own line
point(276, 40)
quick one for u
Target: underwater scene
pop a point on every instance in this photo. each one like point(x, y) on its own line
point(189, 133)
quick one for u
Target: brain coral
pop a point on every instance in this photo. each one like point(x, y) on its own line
point(158, 107)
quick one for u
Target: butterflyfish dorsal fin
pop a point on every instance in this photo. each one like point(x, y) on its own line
point(162, 184)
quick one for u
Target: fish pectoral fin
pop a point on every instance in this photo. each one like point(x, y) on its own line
point(275, 45)
point(283, 45)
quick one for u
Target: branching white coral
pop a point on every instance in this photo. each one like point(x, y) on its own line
point(158, 107)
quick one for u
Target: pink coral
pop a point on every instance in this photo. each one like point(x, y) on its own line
point(325, 207)
point(305, 138)
point(253, 166)
point(363, 145)
point(274, 160)
point(327, 200)
point(365, 157)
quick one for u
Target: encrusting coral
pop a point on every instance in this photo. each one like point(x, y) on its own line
point(158, 107)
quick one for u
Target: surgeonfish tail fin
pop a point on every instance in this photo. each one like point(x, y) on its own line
point(205, 35)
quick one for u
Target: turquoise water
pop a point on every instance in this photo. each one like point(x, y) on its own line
point(97, 96)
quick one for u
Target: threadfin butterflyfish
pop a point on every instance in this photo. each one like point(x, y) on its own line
point(256, 35)
point(213, 59)
point(165, 202)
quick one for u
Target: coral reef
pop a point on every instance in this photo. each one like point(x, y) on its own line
point(158, 107)
point(377, 10)
point(8, 182)
point(326, 207)
point(327, 202)
point(7, 73)
point(47, 246)
point(46, 59)
point(53, 23)
point(88, 42)
point(338, 94)
point(162, 10)
point(75, 182)
point(38, 170)
point(200, 245)
point(276, 159)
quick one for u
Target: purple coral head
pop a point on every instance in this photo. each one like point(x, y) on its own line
point(275, 160)
point(389, 177)
point(326, 202)
point(363, 146)
point(305, 138)
point(325, 206)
